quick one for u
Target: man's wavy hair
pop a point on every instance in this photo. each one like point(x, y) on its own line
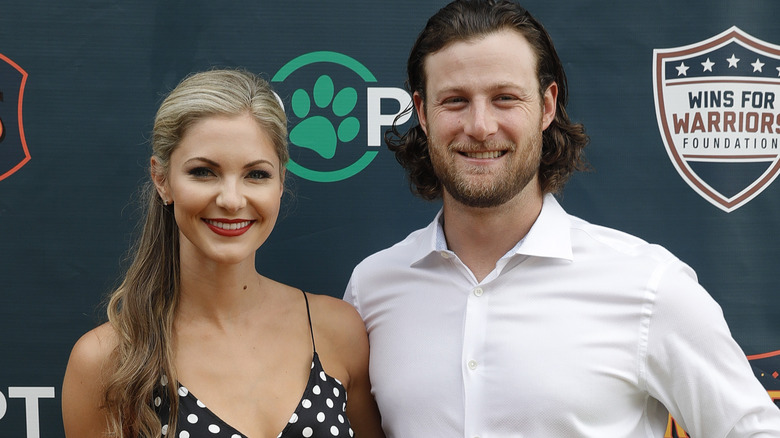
point(466, 20)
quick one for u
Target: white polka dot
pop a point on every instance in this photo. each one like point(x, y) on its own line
point(350, 432)
point(184, 434)
point(213, 428)
point(312, 365)
point(294, 418)
point(344, 407)
point(165, 430)
point(338, 381)
point(307, 432)
point(336, 392)
point(316, 390)
point(192, 418)
point(157, 401)
point(163, 380)
point(329, 402)
point(235, 435)
point(183, 391)
point(200, 404)
point(334, 431)
point(306, 403)
point(341, 418)
point(322, 376)
point(321, 417)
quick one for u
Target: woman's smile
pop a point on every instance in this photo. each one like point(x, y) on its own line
point(229, 227)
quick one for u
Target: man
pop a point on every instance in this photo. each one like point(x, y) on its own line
point(506, 317)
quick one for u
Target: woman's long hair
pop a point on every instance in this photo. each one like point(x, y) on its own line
point(141, 310)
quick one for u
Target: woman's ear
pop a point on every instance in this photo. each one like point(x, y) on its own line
point(158, 178)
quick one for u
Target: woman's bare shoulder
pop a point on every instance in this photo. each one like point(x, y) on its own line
point(340, 333)
point(337, 315)
point(93, 349)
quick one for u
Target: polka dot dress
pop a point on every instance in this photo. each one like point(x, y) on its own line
point(321, 413)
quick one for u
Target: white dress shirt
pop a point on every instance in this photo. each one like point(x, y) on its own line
point(579, 331)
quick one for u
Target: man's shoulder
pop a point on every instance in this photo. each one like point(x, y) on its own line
point(611, 240)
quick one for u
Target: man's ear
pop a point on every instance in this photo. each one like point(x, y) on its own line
point(160, 181)
point(550, 103)
point(419, 107)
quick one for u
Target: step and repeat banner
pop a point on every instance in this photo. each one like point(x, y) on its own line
point(681, 101)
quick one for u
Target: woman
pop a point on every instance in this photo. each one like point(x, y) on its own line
point(198, 344)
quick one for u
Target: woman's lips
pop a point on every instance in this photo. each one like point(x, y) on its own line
point(229, 227)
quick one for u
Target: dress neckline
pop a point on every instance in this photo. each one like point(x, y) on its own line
point(316, 366)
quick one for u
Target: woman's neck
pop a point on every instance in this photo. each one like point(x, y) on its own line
point(219, 292)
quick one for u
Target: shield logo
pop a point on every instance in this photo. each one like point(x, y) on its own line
point(718, 109)
point(13, 146)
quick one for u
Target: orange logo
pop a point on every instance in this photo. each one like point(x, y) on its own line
point(13, 146)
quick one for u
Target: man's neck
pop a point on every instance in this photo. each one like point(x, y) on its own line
point(481, 236)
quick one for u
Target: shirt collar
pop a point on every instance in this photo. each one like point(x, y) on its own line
point(550, 235)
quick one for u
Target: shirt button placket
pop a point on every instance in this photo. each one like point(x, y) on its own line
point(474, 340)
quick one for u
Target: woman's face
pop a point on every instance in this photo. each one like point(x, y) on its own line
point(226, 184)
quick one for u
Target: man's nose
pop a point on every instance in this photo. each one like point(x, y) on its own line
point(481, 122)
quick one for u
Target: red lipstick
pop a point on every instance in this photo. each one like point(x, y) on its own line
point(229, 227)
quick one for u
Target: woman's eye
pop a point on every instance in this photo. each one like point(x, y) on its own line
point(201, 172)
point(259, 174)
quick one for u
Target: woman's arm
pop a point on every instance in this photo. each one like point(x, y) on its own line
point(82, 388)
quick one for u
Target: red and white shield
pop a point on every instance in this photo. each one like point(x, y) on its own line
point(13, 146)
point(718, 109)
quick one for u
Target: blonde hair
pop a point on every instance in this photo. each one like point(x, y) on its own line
point(141, 310)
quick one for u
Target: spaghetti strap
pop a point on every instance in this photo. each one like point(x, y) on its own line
point(320, 412)
point(311, 329)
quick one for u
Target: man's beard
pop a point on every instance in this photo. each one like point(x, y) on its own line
point(471, 188)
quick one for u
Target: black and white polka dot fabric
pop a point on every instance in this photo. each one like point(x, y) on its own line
point(321, 413)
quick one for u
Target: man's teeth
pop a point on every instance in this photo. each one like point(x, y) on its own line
point(490, 154)
point(227, 226)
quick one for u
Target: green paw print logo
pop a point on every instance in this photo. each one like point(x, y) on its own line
point(327, 130)
point(317, 132)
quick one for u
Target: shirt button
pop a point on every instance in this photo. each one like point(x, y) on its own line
point(472, 364)
point(478, 292)
point(444, 255)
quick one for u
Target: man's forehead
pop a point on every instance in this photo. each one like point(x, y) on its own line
point(509, 47)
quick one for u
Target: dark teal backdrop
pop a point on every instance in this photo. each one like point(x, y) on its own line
point(96, 71)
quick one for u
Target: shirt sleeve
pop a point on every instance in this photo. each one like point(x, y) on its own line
point(350, 294)
point(695, 367)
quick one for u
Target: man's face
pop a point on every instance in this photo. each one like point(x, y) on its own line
point(484, 118)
